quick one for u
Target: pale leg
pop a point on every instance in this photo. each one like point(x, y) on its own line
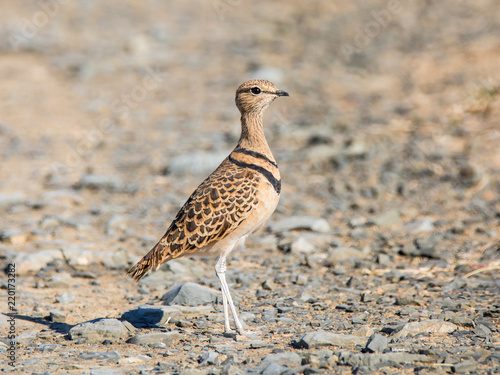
point(220, 271)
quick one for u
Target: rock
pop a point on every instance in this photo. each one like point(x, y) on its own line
point(191, 294)
point(358, 359)
point(105, 371)
point(301, 245)
point(56, 316)
point(118, 260)
point(376, 343)
point(424, 225)
point(117, 223)
point(44, 348)
point(98, 330)
point(457, 283)
point(8, 200)
point(323, 338)
point(154, 338)
point(65, 298)
point(32, 262)
point(209, 358)
point(482, 331)
point(462, 321)
point(60, 280)
point(342, 253)
point(274, 369)
point(26, 337)
point(291, 360)
point(269, 285)
point(99, 182)
point(405, 300)
point(101, 356)
point(196, 162)
point(301, 223)
point(430, 326)
point(13, 237)
point(149, 315)
point(386, 219)
point(465, 367)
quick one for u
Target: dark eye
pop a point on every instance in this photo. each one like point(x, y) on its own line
point(255, 90)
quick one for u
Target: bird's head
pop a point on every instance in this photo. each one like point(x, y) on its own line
point(256, 95)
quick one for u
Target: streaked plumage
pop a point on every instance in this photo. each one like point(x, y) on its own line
point(233, 202)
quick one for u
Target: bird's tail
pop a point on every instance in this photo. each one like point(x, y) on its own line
point(150, 261)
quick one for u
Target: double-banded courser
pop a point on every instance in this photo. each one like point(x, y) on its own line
point(233, 202)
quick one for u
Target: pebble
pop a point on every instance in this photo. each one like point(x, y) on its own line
point(154, 338)
point(96, 331)
point(191, 294)
point(274, 369)
point(60, 280)
point(13, 237)
point(342, 253)
point(324, 338)
point(359, 359)
point(150, 315)
point(196, 162)
point(209, 358)
point(8, 200)
point(300, 223)
point(465, 367)
point(419, 226)
point(56, 316)
point(101, 356)
point(65, 298)
point(430, 326)
point(100, 182)
point(386, 219)
point(291, 360)
point(376, 343)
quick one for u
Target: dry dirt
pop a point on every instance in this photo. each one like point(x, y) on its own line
point(392, 119)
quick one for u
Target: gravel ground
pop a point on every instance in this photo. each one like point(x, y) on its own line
point(383, 256)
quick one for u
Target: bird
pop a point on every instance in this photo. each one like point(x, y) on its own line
point(233, 202)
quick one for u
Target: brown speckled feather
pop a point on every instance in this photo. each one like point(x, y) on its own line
point(216, 208)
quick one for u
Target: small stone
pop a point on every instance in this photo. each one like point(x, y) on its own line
point(323, 338)
point(117, 223)
point(209, 358)
point(44, 348)
point(191, 294)
point(154, 338)
point(101, 356)
point(118, 260)
point(405, 300)
point(376, 343)
point(98, 182)
point(342, 253)
point(482, 331)
point(301, 280)
point(60, 280)
point(274, 369)
point(301, 223)
point(301, 245)
point(196, 162)
point(150, 315)
point(430, 326)
point(268, 285)
point(13, 237)
point(291, 360)
point(65, 298)
point(424, 225)
point(465, 367)
point(386, 219)
point(96, 331)
point(8, 200)
point(462, 321)
point(56, 316)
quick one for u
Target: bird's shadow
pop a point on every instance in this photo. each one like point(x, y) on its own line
point(58, 327)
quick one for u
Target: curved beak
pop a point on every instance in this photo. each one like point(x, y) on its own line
point(282, 93)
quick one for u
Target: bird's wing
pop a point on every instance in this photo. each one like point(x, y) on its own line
point(215, 209)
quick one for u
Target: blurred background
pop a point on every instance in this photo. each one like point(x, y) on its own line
point(112, 112)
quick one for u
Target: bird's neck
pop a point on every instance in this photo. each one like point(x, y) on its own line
point(252, 134)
